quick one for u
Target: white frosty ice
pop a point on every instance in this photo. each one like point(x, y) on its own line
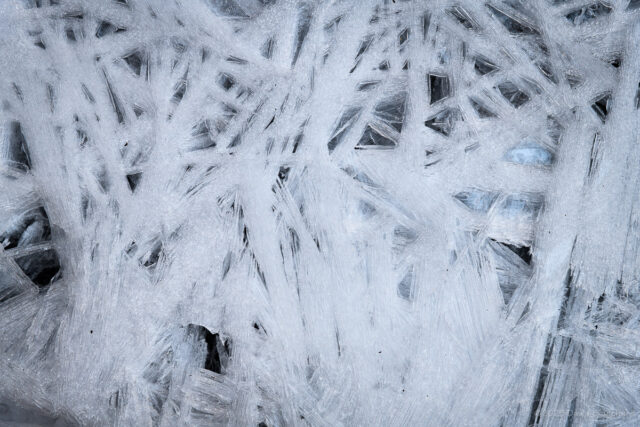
point(288, 212)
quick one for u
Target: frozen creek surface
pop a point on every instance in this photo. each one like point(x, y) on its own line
point(319, 213)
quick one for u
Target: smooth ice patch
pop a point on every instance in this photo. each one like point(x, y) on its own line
point(530, 153)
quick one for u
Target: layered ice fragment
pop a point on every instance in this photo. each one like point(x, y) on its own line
point(463, 17)
point(444, 121)
point(341, 128)
point(25, 229)
point(476, 199)
point(480, 108)
point(525, 206)
point(374, 137)
point(511, 23)
point(41, 267)
point(392, 110)
point(14, 146)
point(512, 93)
point(484, 66)
point(589, 13)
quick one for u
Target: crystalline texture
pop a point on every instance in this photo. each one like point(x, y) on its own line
point(444, 121)
point(513, 94)
point(319, 213)
point(588, 13)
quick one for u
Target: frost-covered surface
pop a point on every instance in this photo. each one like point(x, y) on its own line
point(281, 213)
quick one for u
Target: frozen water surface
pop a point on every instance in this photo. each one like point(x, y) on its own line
point(319, 213)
